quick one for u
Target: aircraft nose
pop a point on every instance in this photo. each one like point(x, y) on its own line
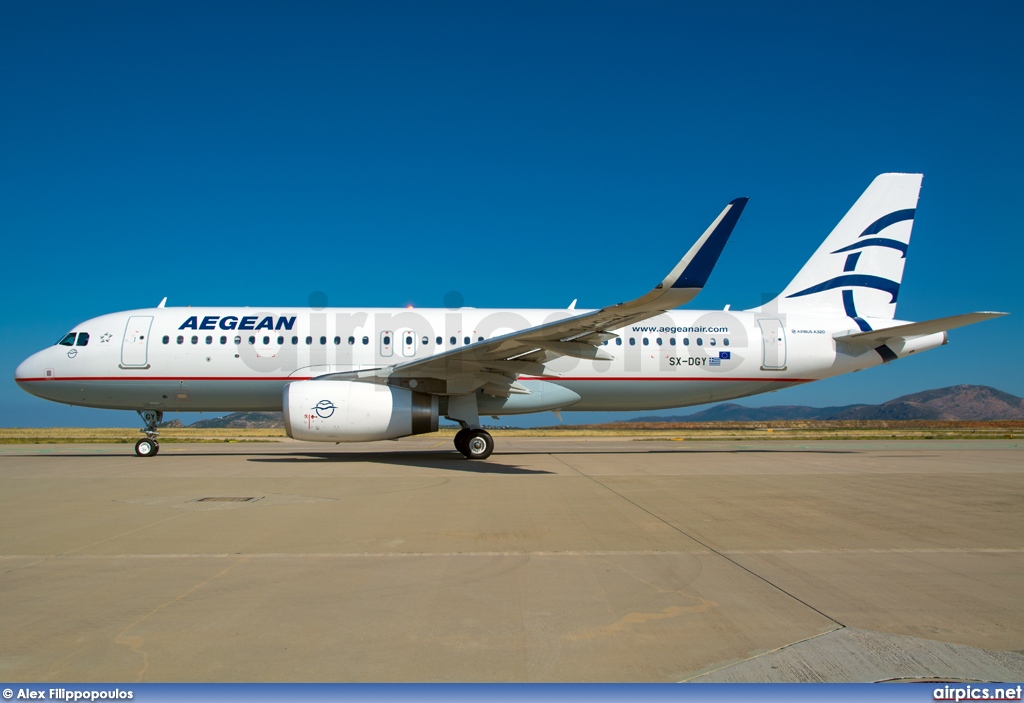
point(28, 373)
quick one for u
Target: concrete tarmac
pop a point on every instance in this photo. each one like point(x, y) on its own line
point(575, 559)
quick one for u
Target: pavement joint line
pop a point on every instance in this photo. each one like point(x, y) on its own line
point(896, 550)
point(71, 552)
point(765, 653)
point(349, 555)
point(703, 544)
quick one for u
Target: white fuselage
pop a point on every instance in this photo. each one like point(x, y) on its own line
point(234, 359)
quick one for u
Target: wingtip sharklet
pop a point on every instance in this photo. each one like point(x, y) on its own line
point(690, 274)
point(703, 255)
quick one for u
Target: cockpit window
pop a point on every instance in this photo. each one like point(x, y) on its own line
point(69, 340)
point(83, 339)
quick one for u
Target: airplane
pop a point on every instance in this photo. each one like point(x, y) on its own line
point(359, 375)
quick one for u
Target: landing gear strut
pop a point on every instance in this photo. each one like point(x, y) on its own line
point(474, 443)
point(149, 446)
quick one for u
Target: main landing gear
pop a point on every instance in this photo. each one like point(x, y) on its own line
point(149, 446)
point(474, 443)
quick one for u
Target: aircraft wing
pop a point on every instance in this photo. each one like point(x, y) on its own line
point(494, 364)
point(874, 338)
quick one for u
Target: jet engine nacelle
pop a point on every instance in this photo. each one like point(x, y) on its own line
point(348, 411)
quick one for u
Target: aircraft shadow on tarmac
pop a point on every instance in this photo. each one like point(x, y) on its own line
point(430, 460)
point(454, 462)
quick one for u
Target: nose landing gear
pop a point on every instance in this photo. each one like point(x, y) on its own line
point(149, 446)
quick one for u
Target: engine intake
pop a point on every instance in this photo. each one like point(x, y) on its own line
point(349, 411)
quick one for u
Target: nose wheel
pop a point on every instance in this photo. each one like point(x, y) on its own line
point(149, 446)
point(474, 444)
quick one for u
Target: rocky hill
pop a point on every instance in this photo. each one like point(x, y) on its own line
point(244, 421)
point(953, 403)
point(964, 403)
point(734, 412)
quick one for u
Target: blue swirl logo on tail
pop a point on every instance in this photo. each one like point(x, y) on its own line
point(854, 280)
point(850, 279)
point(876, 242)
point(890, 219)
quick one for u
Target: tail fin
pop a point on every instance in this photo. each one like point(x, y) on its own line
point(858, 269)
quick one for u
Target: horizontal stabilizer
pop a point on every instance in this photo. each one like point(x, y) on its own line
point(874, 338)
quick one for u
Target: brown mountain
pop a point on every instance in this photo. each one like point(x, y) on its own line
point(244, 421)
point(964, 403)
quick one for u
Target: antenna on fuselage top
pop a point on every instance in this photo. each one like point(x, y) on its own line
point(162, 302)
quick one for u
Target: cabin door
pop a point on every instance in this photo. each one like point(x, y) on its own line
point(773, 345)
point(135, 345)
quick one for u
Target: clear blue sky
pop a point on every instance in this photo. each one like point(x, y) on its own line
point(523, 154)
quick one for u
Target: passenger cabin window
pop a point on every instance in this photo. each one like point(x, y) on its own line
point(632, 341)
point(337, 341)
point(725, 341)
point(166, 339)
point(439, 341)
point(180, 340)
point(238, 340)
point(686, 341)
point(351, 340)
point(280, 340)
point(195, 339)
point(618, 341)
point(465, 340)
point(366, 340)
point(309, 340)
point(223, 340)
point(646, 341)
point(209, 339)
point(672, 341)
point(453, 341)
point(252, 340)
point(68, 341)
point(426, 339)
point(387, 339)
point(266, 340)
point(700, 342)
point(323, 340)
